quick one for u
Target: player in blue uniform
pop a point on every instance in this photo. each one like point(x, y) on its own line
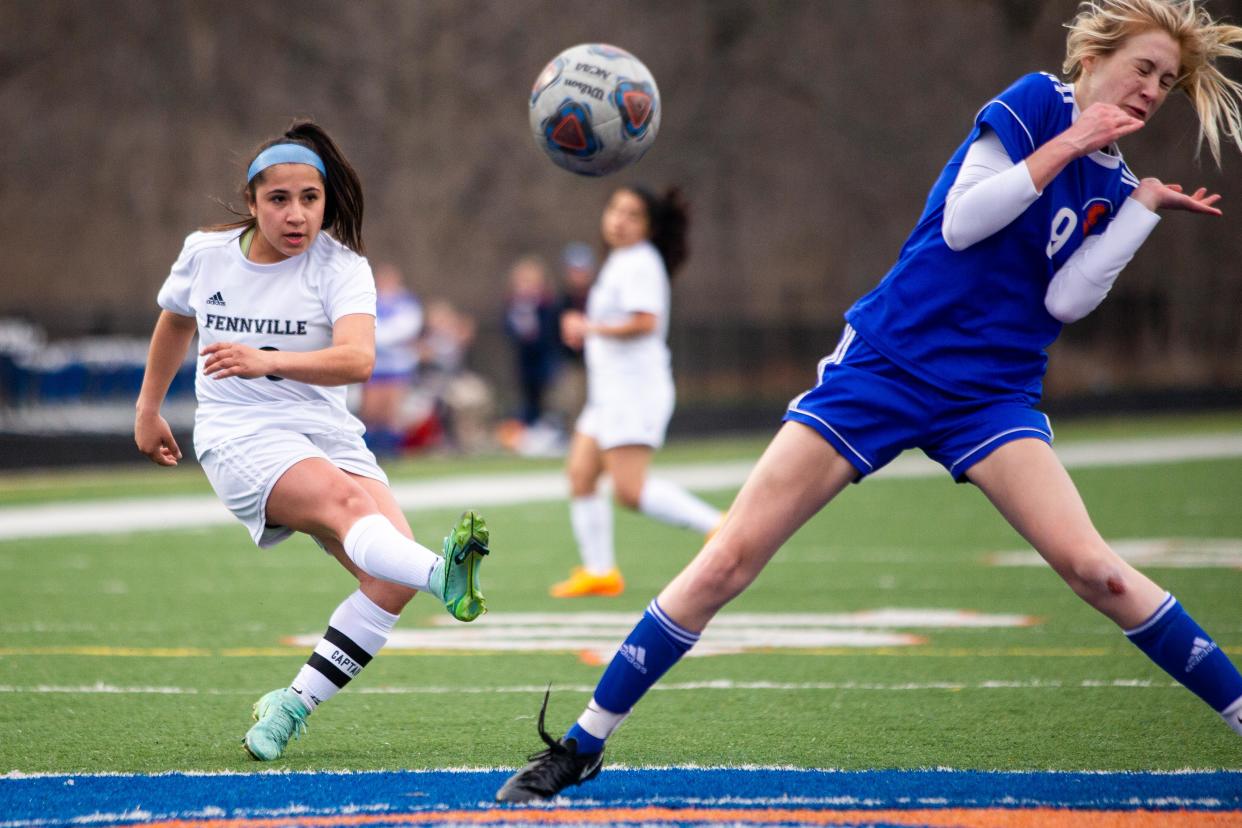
point(1027, 227)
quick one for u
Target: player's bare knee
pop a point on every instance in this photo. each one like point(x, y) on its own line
point(345, 504)
point(723, 571)
point(581, 483)
point(628, 496)
point(1098, 579)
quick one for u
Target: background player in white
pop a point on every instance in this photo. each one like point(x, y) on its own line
point(630, 392)
point(1027, 227)
point(285, 317)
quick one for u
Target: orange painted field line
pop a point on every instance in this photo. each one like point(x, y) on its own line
point(931, 818)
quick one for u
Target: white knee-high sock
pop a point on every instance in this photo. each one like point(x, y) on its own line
point(357, 630)
point(383, 552)
point(666, 501)
point(591, 518)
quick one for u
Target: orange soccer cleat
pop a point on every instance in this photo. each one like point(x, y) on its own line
point(582, 583)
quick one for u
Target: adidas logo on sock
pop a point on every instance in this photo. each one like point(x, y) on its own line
point(1200, 650)
point(636, 656)
point(216, 299)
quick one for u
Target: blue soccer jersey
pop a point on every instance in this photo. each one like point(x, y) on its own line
point(973, 321)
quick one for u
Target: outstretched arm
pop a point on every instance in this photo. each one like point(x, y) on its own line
point(1088, 275)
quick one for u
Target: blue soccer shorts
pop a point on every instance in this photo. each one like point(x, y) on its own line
point(871, 410)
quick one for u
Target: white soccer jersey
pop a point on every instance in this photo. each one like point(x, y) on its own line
point(632, 280)
point(287, 306)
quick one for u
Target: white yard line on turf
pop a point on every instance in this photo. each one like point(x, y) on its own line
point(158, 513)
point(100, 688)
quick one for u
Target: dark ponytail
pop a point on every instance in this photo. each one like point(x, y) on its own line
point(669, 221)
point(342, 210)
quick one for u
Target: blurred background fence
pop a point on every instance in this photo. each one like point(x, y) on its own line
point(806, 133)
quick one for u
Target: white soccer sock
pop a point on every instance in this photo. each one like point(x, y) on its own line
point(670, 503)
point(357, 630)
point(599, 722)
point(1233, 716)
point(591, 518)
point(382, 552)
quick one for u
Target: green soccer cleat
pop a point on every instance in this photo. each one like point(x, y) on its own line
point(279, 716)
point(464, 549)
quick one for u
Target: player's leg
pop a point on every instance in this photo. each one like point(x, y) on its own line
point(797, 474)
point(1030, 487)
point(317, 498)
point(360, 626)
point(634, 488)
point(357, 630)
point(590, 516)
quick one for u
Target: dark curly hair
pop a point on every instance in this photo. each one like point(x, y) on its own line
point(668, 220)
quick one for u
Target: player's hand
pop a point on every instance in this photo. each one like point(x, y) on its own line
point(155, 439)
point(1154, 194)
point(232, 359)
point(573, 328)
point(1098, 126)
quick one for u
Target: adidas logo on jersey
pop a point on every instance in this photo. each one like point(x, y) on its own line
point(636, 656)
point(216, 299)
point(1200, 650)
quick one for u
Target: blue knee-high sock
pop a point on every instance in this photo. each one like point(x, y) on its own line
point(1173, 640)
point(654, 645)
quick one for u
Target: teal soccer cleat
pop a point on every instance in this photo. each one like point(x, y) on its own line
point(464, 550)
point(279, 716)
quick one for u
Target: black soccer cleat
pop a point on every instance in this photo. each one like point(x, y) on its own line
point(550, 771)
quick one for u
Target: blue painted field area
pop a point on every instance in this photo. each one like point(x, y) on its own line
point(665, 797)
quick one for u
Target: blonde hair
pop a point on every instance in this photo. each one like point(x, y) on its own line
point(1102, 26)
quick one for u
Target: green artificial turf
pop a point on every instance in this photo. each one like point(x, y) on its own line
point(189, 628)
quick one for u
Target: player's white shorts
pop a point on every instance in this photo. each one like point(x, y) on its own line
point(243, 471)
point(628, 420)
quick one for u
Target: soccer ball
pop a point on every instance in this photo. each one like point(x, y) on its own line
point(594, 109)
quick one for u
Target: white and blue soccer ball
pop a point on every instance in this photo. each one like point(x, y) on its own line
point(595, 109)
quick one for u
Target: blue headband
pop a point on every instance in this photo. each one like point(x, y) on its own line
point(284, 154)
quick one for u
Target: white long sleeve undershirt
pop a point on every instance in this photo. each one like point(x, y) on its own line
point(991, 191)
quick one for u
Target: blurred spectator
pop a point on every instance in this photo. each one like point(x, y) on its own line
point(398, 322)
point(532, 323)
point(20, 342)
point(578, 264)
point(463, 401)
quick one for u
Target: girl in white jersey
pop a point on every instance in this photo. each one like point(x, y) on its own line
point(1033, 186)
point(285, 318)
point(629, 386)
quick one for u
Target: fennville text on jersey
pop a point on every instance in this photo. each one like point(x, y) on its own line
point(243, 324)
